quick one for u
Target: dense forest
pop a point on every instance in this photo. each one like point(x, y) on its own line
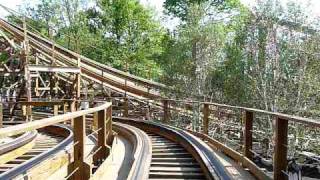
point(265, 57)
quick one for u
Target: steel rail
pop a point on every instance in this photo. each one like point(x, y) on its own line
point(25, 166)
point(199, 150)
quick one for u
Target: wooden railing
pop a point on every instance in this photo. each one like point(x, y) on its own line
point(78, 169)
point(280, 131)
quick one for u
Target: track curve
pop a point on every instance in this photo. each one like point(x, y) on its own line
point(49, 141)
point(188, 144)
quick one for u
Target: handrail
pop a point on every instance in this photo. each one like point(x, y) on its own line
point(21, 128)
point(103, 114)
point(281, 128)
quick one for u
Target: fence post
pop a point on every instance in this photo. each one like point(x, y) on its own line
point(109, 127)
point(248, 123)
point(55, 110)
point(1, 115)
point(126, 108)
point(206, 113)
point(280, 149)
point(80, 169)
point(165, 111)
point(101, 155)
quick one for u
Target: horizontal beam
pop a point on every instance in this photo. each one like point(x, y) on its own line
point(54, 69)
point(21, 128)
point(42, 103)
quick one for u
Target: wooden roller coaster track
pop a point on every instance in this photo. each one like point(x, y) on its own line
point(160, 150)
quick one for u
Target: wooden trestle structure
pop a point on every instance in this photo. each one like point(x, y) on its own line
point(41, 75)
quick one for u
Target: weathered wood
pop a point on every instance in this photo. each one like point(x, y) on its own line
point(248, 122)
point(126, 108)
point(55, 110)
point(1, 115)
point(41, 103)
point(21, 128)
point(166, 113)
point(101, 155)
point(82, 171)
point(109, 126)
point(206, 114)
point(58, 69)
point(37, 79)
point(280, 149)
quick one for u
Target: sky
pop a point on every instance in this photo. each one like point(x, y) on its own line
point(157, 5)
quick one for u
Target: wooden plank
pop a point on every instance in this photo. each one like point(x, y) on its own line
point(206, 114)
point(81, 169)
point(109, 126)
point(1, 115)
point(280, 149)
point(101, 155)
point(248, 121)
point(60, 69)
point(126, 108)
point(166, 114)
point(20, 128)
point(42, 103)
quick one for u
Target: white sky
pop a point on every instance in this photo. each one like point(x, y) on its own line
point(157, 5)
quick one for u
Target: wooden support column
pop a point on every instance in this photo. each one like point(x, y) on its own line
point(95, 121)
point(55, 110)
point(166, 111)
point(80, 169)
point(248, 122)
point(72, 109)
point(37, 79)
point(206, 113)
point(102, 153)
point(280, 149)
point(109, 127)
point(126, 108)
point(1, 115)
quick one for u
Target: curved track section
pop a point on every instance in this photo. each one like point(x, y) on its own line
point(200, 152)
point(171, 161)
point(141, 158)
point(47, 143)
point(17, 142)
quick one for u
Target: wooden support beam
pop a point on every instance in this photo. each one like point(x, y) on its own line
point(109, 127)
point(102, 153)
point(42, 103)
point(248, 122)
point(206, 113)
point(55, 110)
point(37, 79)
point(126, 108)
point(166, 111)
point(1, 115)
point(280, 149)
point(80, 169)
point(60, 69)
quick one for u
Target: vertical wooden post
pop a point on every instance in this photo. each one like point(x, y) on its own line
point(37, 79)
point(84, 170)
point(55, 110)
point(126, 108)
point(1, 115)
point(206, 113)
point(64, 108)
point(95, 121)
point(280, 149)
point(109, 126)
point(101, 155)
point(166, 115)
point(248, 123)
point(72, 109)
